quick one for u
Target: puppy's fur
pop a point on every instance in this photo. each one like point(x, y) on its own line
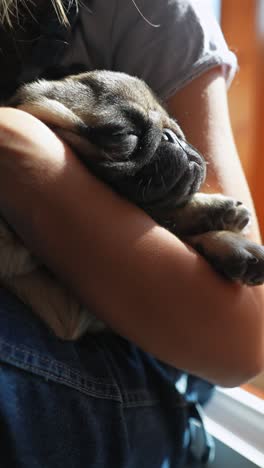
point(122, 134)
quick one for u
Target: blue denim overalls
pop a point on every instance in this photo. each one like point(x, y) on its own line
point(99, 402)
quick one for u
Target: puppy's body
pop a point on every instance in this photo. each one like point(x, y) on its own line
point(121, 132)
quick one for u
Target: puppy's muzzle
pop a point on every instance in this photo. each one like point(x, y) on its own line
point(174, 173)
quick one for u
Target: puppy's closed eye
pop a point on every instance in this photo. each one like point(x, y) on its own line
point(113, 139)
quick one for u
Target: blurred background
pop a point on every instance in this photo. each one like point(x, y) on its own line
point(242, 22)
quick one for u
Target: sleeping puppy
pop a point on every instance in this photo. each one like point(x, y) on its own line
point(123, 135)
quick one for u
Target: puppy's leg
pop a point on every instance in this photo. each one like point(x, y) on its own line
point(212, 225)
point(54, 304)
point(231, 254)
point(15, 259)
point(209, 212)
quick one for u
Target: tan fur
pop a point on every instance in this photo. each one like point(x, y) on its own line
point(51, 112)
point(22, 274)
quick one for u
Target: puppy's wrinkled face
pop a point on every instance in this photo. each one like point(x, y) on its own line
point(121, 132)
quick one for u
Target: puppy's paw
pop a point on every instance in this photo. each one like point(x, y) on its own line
point(230, 214)
point(15, 258)
point(232, 255)
point(209, 212)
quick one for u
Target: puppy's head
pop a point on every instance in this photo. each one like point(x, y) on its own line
point(121, 132)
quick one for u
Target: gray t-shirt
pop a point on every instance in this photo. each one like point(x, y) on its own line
point(188, 41)
point(183, 41)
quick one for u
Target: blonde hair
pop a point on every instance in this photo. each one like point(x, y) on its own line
point(9, 10)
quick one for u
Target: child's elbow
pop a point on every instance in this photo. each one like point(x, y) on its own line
point(244, 371)
point(246, 360)
point(240, 356)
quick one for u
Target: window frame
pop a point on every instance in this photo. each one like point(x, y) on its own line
point(236, 418)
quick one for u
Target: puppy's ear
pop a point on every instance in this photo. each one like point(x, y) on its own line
point(32, 99)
